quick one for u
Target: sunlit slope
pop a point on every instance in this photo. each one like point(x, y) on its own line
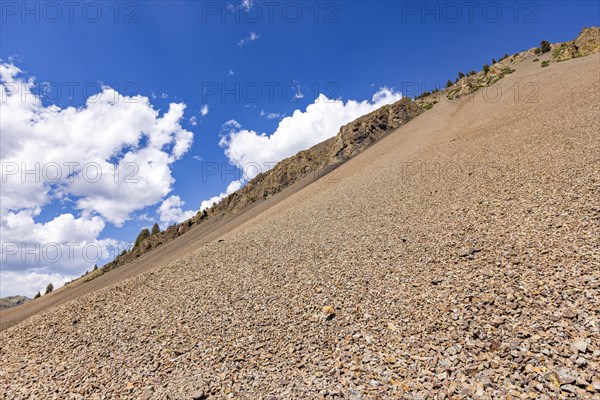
point(459, 255)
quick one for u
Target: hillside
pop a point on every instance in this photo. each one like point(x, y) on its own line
point(319, 159)
point(456, 257)
point(358, 135)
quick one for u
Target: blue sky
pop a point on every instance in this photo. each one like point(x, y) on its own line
point(247, 63)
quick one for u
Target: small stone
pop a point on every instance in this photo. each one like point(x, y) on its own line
point(596, 383)
point(582, 362)
point(569, 388)
point(328, 312)
point(199, 395)
point(552, 377)
point(564, 376)
point(580, 345)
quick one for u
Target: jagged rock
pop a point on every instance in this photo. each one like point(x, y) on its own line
point(580, 345)
point(361, 133)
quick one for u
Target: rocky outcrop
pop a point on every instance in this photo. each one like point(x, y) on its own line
point(361, 133)
point(350, 140)
point(12, 301)
point(588, 42)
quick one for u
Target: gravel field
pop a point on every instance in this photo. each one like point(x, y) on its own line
point(458, 257)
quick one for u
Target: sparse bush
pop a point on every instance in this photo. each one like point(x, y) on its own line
point(124, 252)
point(37, 295)
point(49, 288)
point(556, 51)
point(472, 72)
point(460, 76)
point(144, 234)
point(545, 63)
point(545, 46)
point(155, 229)
point(536, 59)
point(449, 83)
point(486, 69)
point(428, 106)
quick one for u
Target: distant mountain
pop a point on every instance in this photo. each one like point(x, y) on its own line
point(12, 301)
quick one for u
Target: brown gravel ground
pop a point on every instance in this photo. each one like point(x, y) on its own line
point(460, 256)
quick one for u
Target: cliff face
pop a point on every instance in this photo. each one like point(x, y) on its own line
point(361, 133)
point(350, 140)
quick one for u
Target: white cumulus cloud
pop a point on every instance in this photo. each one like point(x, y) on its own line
point(35, 254)
point(105, 159)
point(170, 211)
point(232, 187)
point(321, 120)
point(112, 156)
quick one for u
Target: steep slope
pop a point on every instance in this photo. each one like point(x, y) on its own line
point(288, 175)
point(458, 256)
point(355, 137)
point(319, 159)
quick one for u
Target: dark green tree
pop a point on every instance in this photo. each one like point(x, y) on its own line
point(544, 46)
point(49, 288)
point(486, 68)
point(37, 295)
point(449, 83)
point(155, 229)
point(144, 234)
